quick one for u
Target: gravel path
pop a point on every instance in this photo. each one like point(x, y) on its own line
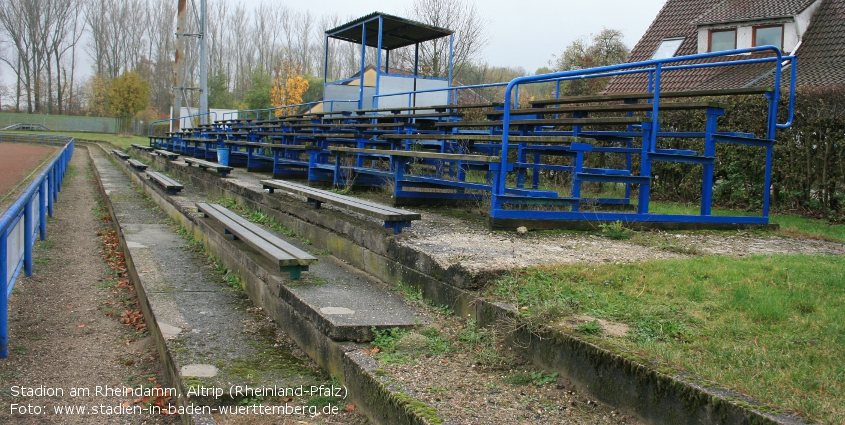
point(60, 336)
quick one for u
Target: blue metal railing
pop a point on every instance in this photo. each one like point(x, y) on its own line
point(183, 119)
point(655, 69)
point(19, 225)
point(41, 139)
point(245, 114)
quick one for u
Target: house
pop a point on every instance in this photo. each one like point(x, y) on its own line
point(812, 30)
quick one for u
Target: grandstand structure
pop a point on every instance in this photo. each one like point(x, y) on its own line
point(560, 162)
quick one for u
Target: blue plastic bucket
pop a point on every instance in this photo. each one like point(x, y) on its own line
point(223, 155)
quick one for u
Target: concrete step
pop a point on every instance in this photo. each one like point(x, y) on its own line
point(218, 344)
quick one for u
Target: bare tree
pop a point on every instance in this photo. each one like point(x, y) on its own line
point(460, 16)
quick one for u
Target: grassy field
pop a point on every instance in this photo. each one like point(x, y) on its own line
point(772, 327)
point(121, 141)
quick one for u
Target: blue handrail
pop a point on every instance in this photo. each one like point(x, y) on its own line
point(18, 225)
point(270, 111)
point(152, 124)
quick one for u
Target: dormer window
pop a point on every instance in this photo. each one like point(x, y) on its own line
point(668, 47)
point(722, 40)
point(771, 35)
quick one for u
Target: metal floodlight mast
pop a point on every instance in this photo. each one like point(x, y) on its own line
point(180, 68)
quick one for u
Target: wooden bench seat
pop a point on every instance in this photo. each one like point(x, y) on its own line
point(438, 108)
point(289, 258)
point(393, 218)
point(120, 154)
point(636, 107)
point(357, 126)
point(170, 185)
point(138, 165)
point(143, 148)
point(418, 154)
point(646, 95)
point(202, 164)
point(167, 154)
point(548, 122)
point(490, 138)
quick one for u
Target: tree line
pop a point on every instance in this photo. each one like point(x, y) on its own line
point(65, 55)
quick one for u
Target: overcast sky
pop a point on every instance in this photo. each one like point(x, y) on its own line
point(523, 33)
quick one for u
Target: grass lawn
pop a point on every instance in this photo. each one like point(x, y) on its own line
point(790, 225)
point(772, 327)
point(121, 141)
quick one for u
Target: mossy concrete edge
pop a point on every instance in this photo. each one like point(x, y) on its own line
point(381, 404)
point(613, 376)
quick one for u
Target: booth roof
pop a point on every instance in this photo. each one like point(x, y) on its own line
point(396, 32)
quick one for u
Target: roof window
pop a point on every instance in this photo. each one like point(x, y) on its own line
point(667, 48)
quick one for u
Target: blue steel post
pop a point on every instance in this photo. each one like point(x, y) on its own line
point(363, 65)
point(28, 241)
point(51, 178)
point(326, 64)
point(378, 60)
point(416, 60)
point(42, 209)
point(4, 297)
point(709, 150)
point(654, 108)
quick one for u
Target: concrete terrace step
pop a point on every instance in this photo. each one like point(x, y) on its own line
point(211, 333)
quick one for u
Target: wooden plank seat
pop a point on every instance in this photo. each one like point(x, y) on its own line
point(646, 95)
point(138, 165)
point(202, 164)
point(490, 138)
point(394, 218)
point(171, 186)
point(120, 154)
point(142, 147)
point(438, 108)
point(559, 122)
point(167, 154)
point(418, 154)
point(617, 107)
point(289, 258)
point(356, 126)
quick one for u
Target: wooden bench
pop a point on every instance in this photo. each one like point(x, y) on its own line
point(120, 154)
point(558, 122)
point(394, 218)
point(202, 164)
point(646, 95)
point(167, 154)
point(137, 164)
point(289, 258)
point(142, 147)
point(170, 185)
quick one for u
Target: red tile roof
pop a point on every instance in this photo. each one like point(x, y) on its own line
point(746, 10)
point(821, 55)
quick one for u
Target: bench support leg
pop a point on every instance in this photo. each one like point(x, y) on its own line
point(294, 271)
point(234, 237)
point(397, 226)
point(315, 203)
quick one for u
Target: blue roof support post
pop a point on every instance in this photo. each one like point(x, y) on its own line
point(451, 59)
point(378, 61)
point(363, 65)
point(416, 59)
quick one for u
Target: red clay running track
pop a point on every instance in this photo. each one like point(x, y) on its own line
point(18, 160)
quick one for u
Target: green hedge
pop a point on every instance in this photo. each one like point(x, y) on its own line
point(809, 169)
